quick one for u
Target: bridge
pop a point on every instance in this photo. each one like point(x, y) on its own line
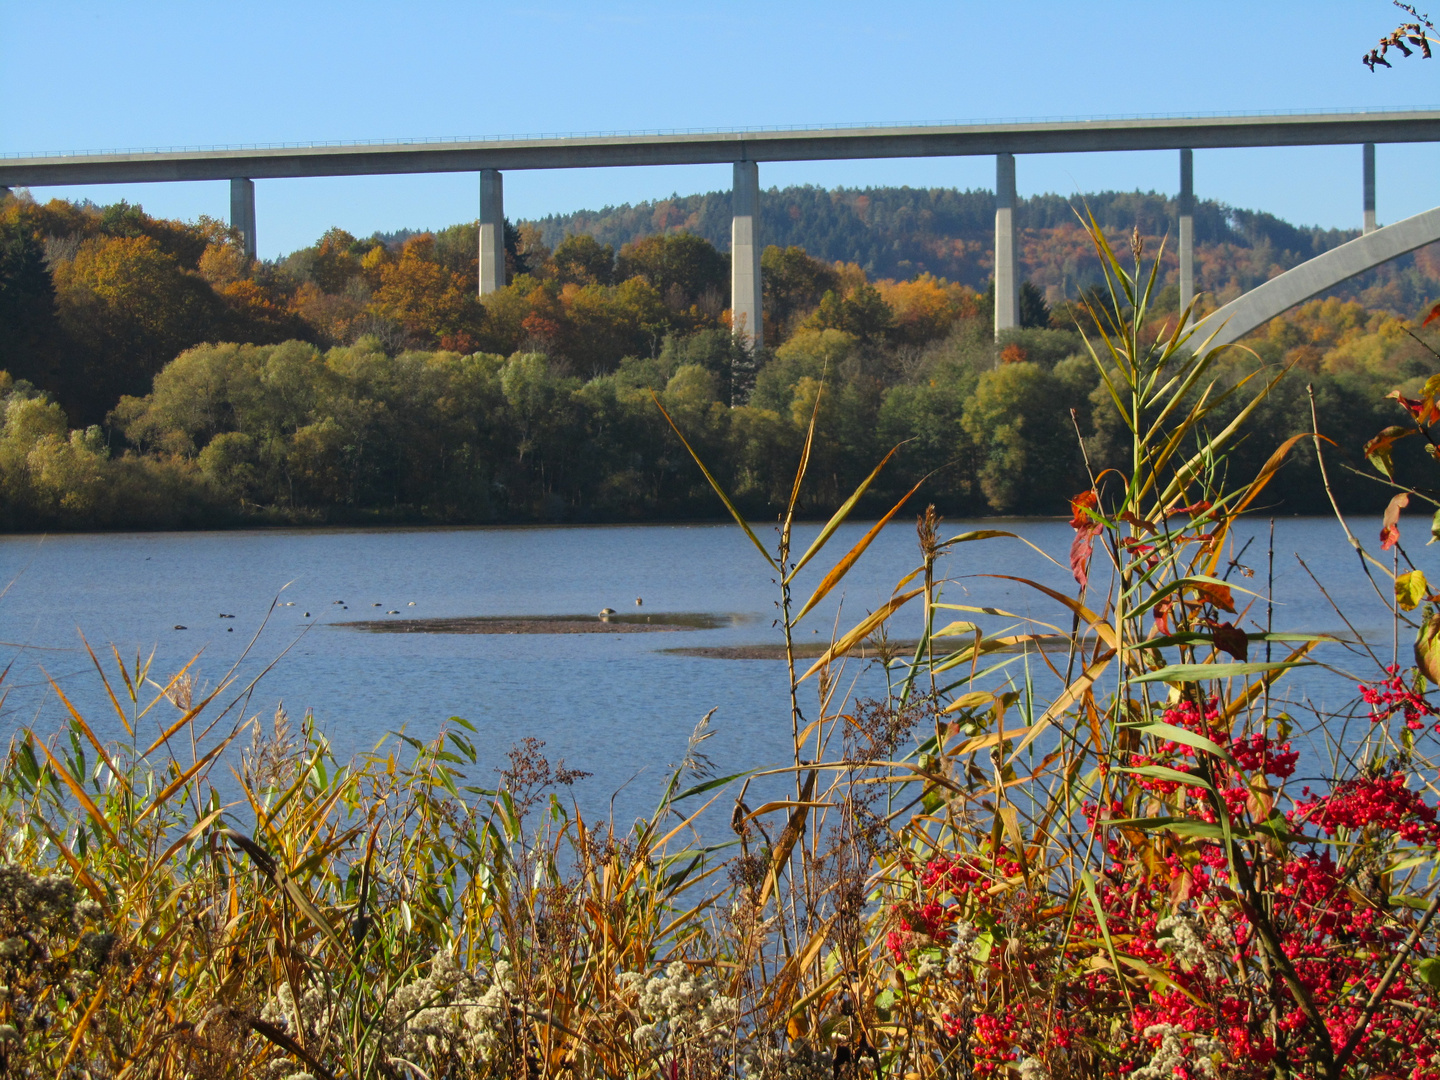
point(748, 149)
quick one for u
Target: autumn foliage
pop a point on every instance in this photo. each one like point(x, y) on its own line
point(418, 400)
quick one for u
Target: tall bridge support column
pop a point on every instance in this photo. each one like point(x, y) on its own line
point(1367, 168)
point(242, 212)
point(745, 315)
point(1187, 228)
point(1007, 294)
point(492, 232)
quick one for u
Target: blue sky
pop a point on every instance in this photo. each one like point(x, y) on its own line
point(147, 73)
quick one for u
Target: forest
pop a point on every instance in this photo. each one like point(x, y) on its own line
point(155, 377)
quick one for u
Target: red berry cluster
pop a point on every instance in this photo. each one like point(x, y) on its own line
point(1158, 966)
point(1392, 696)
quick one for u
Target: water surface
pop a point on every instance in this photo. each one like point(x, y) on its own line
point(621, 705)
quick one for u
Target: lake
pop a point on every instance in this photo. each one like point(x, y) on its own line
point(616, 704)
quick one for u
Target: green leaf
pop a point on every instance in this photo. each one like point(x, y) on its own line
point(1088, 881)
point(1192, 637)
point(1277, 827)
point(1427, 647)
point(1180, 826)
point(1410, 589)
point(1429, 971)
point(1378, 450)
point(1174, 733)
point(708, 785)
point(979, 534)
point(1414, 903)
point(1182, 673)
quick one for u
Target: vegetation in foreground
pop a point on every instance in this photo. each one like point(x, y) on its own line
point(1084, 861)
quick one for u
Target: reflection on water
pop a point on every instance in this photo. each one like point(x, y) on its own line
point(618, 704)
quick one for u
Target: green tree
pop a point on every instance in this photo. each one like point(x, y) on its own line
point(683, 268)
point(792, 284)
point(864, 315)
point(1034, 312)
point(130, 307)
point(583, 260)
point(717, 351)
point(1018, 421)
point(29, 328)
point(337, 261)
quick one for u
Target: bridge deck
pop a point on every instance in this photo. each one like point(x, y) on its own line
point(703, 148)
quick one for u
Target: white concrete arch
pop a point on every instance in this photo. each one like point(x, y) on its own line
point(1324, 272)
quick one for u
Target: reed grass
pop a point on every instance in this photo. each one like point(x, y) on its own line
point(1084, 863)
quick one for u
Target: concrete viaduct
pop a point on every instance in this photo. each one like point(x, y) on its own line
point(747, 150)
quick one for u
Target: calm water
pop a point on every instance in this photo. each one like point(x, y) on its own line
point(617, 705)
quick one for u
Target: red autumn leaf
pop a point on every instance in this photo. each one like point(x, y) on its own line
point(1132, 519)
point(1229, 638)
point(1377, 450)
point(1162, 615)
point(1086, 529)
point(1086, 500)
point(1422, 409)
point(1390, 523)
point(1193, 510)
point(1215, 595)
point(1181, 886)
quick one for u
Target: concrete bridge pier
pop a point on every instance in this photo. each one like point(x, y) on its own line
point(1007, 289)
point(745, 315)
point(1187, 228)
point(242, 212)
point(1367, 169)
point(492, 232)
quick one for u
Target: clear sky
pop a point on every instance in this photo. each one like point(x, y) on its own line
point(150, 73)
